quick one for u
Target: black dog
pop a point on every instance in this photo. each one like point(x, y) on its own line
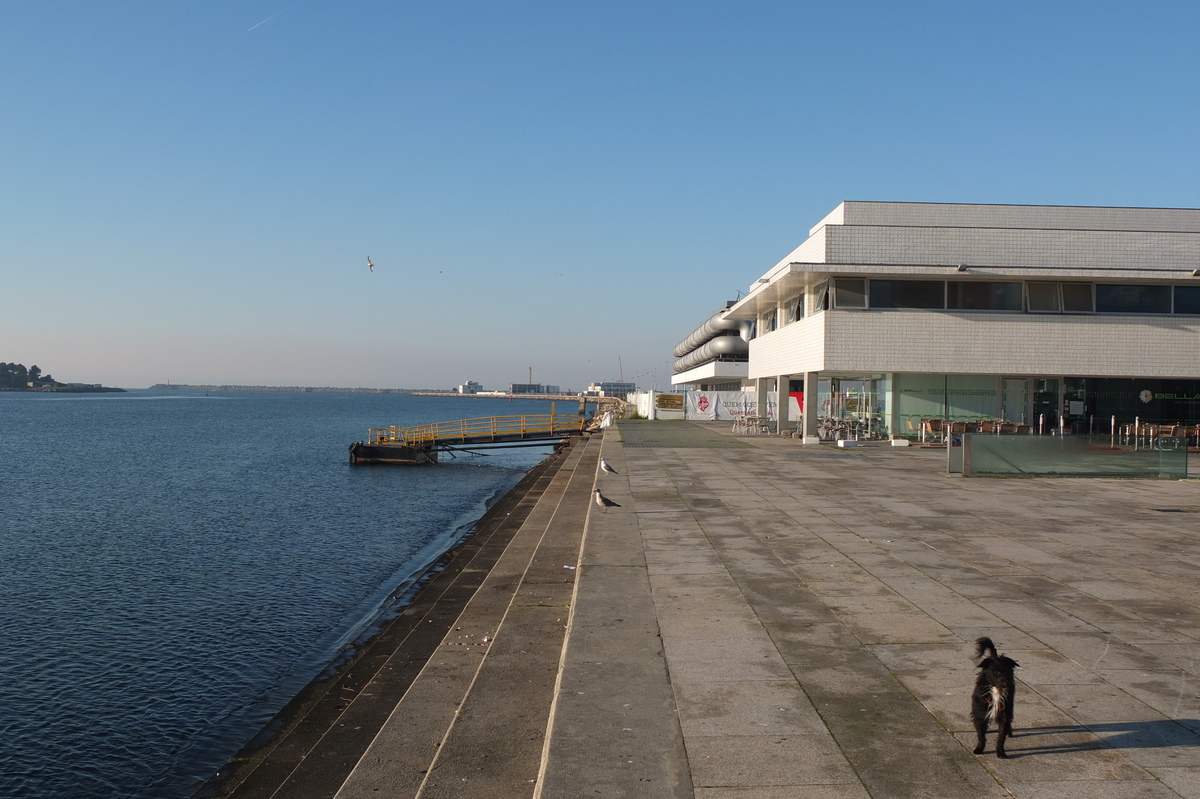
point(995, 691)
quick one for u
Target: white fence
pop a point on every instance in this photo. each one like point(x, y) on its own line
point(708, 405)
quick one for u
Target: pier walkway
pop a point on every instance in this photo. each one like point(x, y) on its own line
point(480, 432)
point(759, 620)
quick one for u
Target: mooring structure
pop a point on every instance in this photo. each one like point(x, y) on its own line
point(421, 444)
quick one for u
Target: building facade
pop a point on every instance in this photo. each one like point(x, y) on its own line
point(897, 312)
point(532, 388)
point(610, 388)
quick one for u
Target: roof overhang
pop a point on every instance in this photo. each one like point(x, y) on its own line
point(713, 370)
point(794, 278)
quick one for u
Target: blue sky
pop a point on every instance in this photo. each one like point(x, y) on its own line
point(190, 191)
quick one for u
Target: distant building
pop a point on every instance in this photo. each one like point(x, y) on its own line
point(470, 387)
point(531, 388)
point(610, 388)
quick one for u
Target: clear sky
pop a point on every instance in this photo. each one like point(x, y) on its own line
point(189, 191)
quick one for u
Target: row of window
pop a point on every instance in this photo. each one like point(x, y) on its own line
point(1035, 296)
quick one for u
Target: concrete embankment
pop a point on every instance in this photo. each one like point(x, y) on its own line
point(466, 673)
point(760, 619)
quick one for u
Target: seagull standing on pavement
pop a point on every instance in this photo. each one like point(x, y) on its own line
point(603, 502)
point(604, 467)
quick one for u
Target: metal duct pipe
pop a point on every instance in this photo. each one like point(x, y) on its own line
point(733, 347)
point(716, 325)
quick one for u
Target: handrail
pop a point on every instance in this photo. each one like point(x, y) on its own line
point(487, 428)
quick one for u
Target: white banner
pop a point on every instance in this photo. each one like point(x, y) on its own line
point(710, 406)
point(726, 405)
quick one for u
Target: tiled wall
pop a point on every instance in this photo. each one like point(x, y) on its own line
point(1016, 216)
point(1000, 247)
point(793, 349)
point(1013, 344)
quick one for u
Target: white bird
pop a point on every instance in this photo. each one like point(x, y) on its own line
point(604, 467)
point(603, 502)
point(370, 264)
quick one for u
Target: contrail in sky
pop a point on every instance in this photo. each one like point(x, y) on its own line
point(265, 21)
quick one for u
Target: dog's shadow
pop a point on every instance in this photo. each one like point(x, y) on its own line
point(1118, 735)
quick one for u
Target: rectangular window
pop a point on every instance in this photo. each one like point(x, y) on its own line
point(769, 321)
point(908, 294)
point(1187, 299)
point(1043, 297)
point(979, 295)
point(793, 309)
point(1077, 298)
point(820, 300)
point(849, 292)
point(1132, 298)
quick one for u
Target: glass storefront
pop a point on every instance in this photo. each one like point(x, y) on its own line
point(964, 398)
point(853, 406)
point(878, 406)
point(1097, 400)
point(1085, 404)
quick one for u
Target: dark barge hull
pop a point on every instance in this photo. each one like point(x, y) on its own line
point(390, 453)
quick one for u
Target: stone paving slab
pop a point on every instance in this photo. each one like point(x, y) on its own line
point(761, 619)
point(818, 607)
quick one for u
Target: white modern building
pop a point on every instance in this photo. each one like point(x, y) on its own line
point(610, 388)
point(532, 388)
point(896, 312)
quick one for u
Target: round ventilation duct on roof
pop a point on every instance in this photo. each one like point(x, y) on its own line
point(716, 325)
point(728, 347)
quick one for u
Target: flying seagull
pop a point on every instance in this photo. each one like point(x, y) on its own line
point(370, 264)
point(603, 502)
point(604, 467)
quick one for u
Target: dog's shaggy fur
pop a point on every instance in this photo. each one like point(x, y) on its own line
point(992, 699)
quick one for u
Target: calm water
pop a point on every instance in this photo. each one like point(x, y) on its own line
point(174, 567)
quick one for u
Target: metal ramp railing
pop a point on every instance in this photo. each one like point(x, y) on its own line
point(488, 430)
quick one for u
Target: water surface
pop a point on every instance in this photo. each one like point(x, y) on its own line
point(175, 566)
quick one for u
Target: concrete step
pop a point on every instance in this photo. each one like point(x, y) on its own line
point(474, 720)
point(615, 728)
point(315, 743)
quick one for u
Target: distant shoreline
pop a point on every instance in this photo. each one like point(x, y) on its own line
point(301, 389)
point(66, 389)
point(417, 392)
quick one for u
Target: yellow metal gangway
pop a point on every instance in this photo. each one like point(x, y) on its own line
point(481, 433)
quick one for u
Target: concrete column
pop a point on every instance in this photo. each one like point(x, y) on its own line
point(761, 397)
point(783, 401)
point(810, 408)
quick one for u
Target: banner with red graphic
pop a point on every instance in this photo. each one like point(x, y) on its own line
point(729, 405)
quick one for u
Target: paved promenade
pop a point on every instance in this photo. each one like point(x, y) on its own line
point(760, 620)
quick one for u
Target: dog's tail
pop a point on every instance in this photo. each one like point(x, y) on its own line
point(984, 646)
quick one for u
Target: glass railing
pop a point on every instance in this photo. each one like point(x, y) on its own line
point(981, 455)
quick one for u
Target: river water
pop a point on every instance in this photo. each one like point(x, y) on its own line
point(175, 566)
